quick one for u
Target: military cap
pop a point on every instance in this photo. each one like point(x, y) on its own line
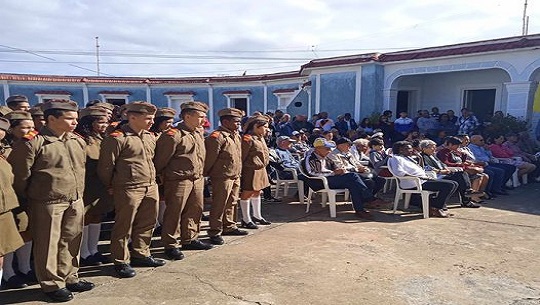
point(231, 112)
point(92, 110)
point(36, 110)
point(166, 112)
point(4, 110)
point(141, 107)
point(195, 106)
point(107, 106)
point(4, 124)
point(18, 115)
point(16, 99)
point(255, 118)
point(60, 105)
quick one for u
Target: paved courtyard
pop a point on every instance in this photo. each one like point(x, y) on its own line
point(480, 256)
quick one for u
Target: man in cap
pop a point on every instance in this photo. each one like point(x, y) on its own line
point(4, 110)
point(317, 163)
point(37, 116)
point(223, 164)
point(18, 102)
point(125, 166)
point(49, 178)
point(179, 161)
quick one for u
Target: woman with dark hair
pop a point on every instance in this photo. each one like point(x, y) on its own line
point(366, 125)
point(20, 124)
point(255, 158)
point(92, 126)
point(453, 157)
point(445, 124)
point(163, 120)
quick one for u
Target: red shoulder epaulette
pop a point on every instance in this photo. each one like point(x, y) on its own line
point(215, 134)
point(172, 131)
point(30, 135)
point(116, 133)
point(115, 123)
point(247, 137)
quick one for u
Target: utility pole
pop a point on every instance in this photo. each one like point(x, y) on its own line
point(97, 55)
point(525, 26)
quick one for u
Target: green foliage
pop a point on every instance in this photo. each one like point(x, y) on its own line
point(505, 125)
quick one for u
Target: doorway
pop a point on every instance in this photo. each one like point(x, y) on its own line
point(402, 104)
point(240, 103)
point(481, 102)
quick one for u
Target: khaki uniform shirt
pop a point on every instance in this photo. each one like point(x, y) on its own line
point(223, 154)
point(125, 159)
point(255, 153)
point(180, 154)
point(47, 168)
point(8, 199)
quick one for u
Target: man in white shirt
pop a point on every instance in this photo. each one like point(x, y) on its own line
point(401, 164)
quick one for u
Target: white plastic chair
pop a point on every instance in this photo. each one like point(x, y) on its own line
point(328, 194)
point(286, 183)
point(388, 181)
point(408, 192)
point(515, 178)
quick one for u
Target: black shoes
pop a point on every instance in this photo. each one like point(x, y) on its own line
point(124, 270)
point(261, 221)
point(60, 295)
point(15, 282)
point(197, 245)
point(80, 286)
point(470, 204)
point(216, 240)
point(501, 192)
point(174, 254)
point(271, 200)
point(249, 225)
point(235, 232)
point(91, 260)
point(148, 261)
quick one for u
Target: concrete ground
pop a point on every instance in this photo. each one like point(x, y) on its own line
point(479, 256)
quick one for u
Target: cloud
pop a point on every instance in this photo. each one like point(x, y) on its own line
point(262, 29)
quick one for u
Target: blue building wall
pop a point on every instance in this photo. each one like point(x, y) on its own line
point(337, 93)
point(371, 93)
point(30, 91)
point(272, 99)
point(302, 98)
point(2, 95)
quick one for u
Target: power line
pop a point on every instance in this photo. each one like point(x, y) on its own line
point(138, 63)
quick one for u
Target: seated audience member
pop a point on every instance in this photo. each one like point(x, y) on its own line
point(378, 157)
point(435, 113)
point(366, 125)
point(324, 122)
point(300, 145)
point(345, 123)
point(317, 133)
point(426, 124)
point(402, 165)
point(342, 154)
point(318, 164)
point(284, 127)
point(440, 138)
point(446, 125)
point(506, 155)
point(432, 163)
point(286, 160)
point(361, 150)
point(328, 135)
point(300, 122)
point(451, 156)
point(499, 173)
point(403, 125)
point(512, 144)
point(386, 127)
point(452, 116)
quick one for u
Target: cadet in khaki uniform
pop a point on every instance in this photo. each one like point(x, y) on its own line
point(180, 161)
point(49, 178)
point(18, 102)
point(255, 158)
point(11, 239)
point(125, 165)
point(97, 201)
point(223, 164)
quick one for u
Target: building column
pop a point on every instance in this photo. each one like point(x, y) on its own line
point(390, 99)
point(317, 93)
point(357, 95)
point(211, 106)
point(6, 90)
point(148, 94)
point(519, 98)
point(265, 98)
point(85, 94)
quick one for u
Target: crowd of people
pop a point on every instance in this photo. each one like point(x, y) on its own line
point(64, 169)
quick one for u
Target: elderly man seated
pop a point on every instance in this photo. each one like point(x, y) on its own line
point(402, 165)
point(317, 163)
point(342, 154)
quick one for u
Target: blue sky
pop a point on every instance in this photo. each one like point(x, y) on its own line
point(226, 37)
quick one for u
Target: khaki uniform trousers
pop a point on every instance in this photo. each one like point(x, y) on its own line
point(57, 234)
point(224, 202)
point(183, 211)
point(136, 214)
